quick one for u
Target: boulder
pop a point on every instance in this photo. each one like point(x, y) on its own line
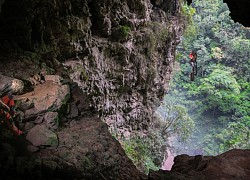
point(39, 119)
point(73, 111)
point(31, 114)
point(25, 104)
point(52, 120)
point(54, 78)
point(49, 96)
point(28, 126)
point(32, 148)
point(40, 136)
point(9, 84)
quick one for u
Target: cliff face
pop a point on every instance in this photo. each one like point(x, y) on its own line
point(119, 52)
point(121, 55)
point(129, 64)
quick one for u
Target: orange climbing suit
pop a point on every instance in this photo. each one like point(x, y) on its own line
point(191, 56)
point(8, 116)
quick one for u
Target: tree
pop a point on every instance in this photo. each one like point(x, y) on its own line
point(221, 92)
point(235, 135)
point(174, 119)
point(217, 87)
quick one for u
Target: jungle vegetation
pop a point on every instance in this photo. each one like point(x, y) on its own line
point(218, 101)
point(211, 114)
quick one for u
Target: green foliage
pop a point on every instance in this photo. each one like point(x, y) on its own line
point(235, 135)
point(187, 11)
point(52, 140)
point(88, 163)
point(138, 151)
point(47, 69)
point(82, 72)
point(146, 150)
point(218, 101)
point(174, 119)
point(65, 107)
point(155, 35)
point(190, 31)
point(218, 86)
point(121, 33)
point(125, 30)
point(240, 44)
point(216, 52)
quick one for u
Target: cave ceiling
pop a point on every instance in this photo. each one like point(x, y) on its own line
point(239, 11)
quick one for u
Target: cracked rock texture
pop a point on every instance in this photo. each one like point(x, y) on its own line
point(121, 53)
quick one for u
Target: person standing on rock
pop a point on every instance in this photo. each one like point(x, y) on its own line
point(7, 113)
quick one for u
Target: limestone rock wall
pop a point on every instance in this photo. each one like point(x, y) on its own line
point(120, 52)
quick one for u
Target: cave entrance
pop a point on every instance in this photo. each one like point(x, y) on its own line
point(213, 117)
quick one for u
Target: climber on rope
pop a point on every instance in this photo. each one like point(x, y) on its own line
point(7, 114)
point(193, 64)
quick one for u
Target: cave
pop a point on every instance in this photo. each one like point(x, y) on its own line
point(102, 58)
